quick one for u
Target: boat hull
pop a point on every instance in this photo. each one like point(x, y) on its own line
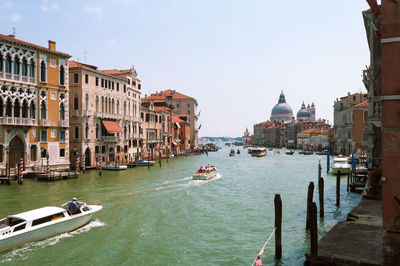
point(343, 171)
point(204, 177)
point(115, 168)
point(63, 226)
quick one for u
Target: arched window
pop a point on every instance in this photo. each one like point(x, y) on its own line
point(25, 109)
point(24, 69)
point(87, 130)
point(1, 107)
point(17, 106)
point(97, 103)
point(32, 111)
point(97, 131)
point(76, 102)
point(62, 75)
point(16, 65)
point(8, 63)
point(62, 112)
point(125, 131)
point(32, 69)
point(113, 106)
point(87, 101)
point(109, 106)
point(43, 110)
point(1, 62)
point(76, 135)
point(102, 104)
point(124, 108)
point(8, 107)
point(43, 71)
point(117, 107)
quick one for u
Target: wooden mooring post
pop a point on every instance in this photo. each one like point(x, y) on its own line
point(278, 226)
point(319, 168)
point(313, 230)
point(309, 201)
point(148, 161)
point(321, 196)
point(338, 189)
point(348, 180)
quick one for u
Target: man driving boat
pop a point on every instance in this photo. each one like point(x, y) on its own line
point(73, 206)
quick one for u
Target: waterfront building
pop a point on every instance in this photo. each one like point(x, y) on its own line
point(297, 127)
point(182, 104)
point(33, 104)
point(152, 129)
point(131, 121)
point(282, 112)
point(382, 81)
point(259, 138)
point(313, 139)
point(360, 116)
point(343, 122)
point(97, 115)
point(246, 138)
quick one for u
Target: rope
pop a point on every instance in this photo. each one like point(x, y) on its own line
point(262, 250)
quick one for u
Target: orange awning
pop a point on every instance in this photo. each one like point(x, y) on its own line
point(112, 126)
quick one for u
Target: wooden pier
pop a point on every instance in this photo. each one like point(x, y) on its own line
point(53, 176)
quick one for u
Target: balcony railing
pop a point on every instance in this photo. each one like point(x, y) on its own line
point(8, 76)
point(127, 117)
point(76, 113)
point(63, 123)
point(17, 121)
point(135, 135)
point(136, 119)
point(98, 114)
point(87, 113)
point(44, 122)
point(16, 77)
point(109, 138)
point(154, 140)
point(109, 116)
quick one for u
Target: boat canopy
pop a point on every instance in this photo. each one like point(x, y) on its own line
point(38, 213)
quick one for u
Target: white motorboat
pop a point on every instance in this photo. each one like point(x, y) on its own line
point(259, 152)
point(34, 225)
point(205, 173)
point(340, 164)
point(115, 167)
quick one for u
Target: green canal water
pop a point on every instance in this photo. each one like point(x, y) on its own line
point(162, 217)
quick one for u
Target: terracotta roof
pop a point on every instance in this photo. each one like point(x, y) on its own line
point(116, 71)
point(266, 123)
point(11, 38)
point(362, 104)
point(75, 64)
point(162, 108)
point(112, 126)
point(167, 93)
point(313, 131)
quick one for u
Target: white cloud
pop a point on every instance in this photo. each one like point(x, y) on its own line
point(46, 6)
point(111, 42)
point(7, 5)
point(15, 17)
point(96, 11)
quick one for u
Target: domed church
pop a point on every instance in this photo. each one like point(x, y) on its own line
point(306, 114)
point(282, 112)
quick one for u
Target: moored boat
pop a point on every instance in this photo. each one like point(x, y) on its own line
point(114, 167)
point(290, 152)
point(34, 225)
point(143, 162)
point(340, 164)
point(205, 173)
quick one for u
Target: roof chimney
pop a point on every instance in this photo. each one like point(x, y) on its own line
point(52, 45)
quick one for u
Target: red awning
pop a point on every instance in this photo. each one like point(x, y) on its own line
point(112, 127)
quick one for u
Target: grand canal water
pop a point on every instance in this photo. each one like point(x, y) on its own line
point(162, 217)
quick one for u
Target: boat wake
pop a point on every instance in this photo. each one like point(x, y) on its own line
point(24, 251)
point(185, 182)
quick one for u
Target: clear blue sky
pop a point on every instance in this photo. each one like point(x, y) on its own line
point(233, 56)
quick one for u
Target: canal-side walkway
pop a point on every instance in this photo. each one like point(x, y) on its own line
point(358, 241)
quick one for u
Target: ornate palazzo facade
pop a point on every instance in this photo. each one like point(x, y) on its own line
point(33, 104)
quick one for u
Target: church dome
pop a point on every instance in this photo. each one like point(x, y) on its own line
point(282, 111)
point(303, 112)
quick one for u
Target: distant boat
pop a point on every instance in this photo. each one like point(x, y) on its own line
point(232, 152)
point(228, 144)
point(340, 165)
point(325, 152)
point(258, 152)
point(308, 152)
point(205, 173)
point(290, 152)
point(115, 167)
point(142, 163)
point(238, 151)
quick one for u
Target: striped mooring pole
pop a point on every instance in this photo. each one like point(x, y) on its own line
point(100, 163)
point(48, 166)
point(77, 164)
point(21, 169)
point(83, 163)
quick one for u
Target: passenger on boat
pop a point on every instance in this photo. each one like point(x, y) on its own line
point(73, 206)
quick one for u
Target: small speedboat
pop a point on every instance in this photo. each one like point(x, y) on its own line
point(205, 173)
point(115, 167)
point(232, 152)
point(34, 225)
point(340, 164)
